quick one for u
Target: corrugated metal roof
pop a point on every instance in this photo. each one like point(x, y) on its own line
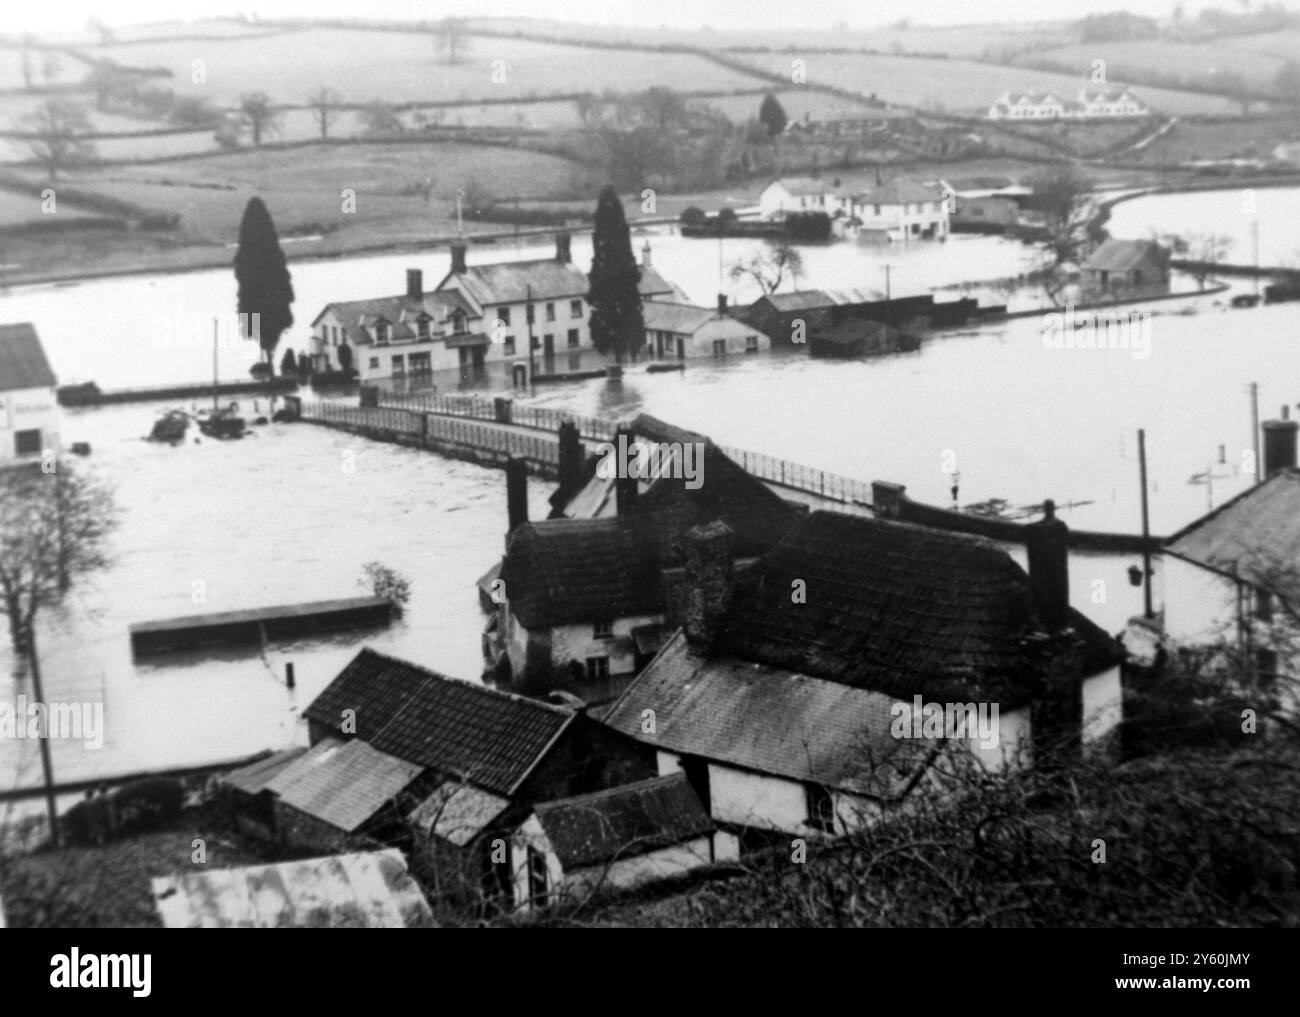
point(22, 359)
point(255, 777)
point(371, 890)
point(344, 785)
point(457, 812)
point(622, 822)
point(767, 719)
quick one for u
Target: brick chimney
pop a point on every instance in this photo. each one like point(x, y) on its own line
point(572, 457)
point(722, 305)
point(458, 259)
point(887, 499)
point(414, 284)
point(516, 494)
point(562, 254)
point(710, 582)
point(625, 487)
point(1279, 443)
point(1047, 542)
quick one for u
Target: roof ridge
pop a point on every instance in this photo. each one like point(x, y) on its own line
point(474, 686)
point(609, 792)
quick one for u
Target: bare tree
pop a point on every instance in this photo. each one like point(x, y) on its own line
point(58, 130)
point(770, 267)
point(1062, 197)
point(259, 115)
point(1205, 250)
point(590, 109)
point(324, 104)
point(451, 37)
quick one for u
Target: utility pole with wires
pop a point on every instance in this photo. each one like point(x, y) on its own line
point(47, 767)
point(1254, 428)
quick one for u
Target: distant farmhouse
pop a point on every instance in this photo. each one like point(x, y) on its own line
point(898, 209)
point(1090, 104)
point(477, 316)
point(1125, 268)
point(29, 412)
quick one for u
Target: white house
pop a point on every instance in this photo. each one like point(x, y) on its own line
point(1108, 102)
point(1027, 106)
point(787, 195)
point(29, 410)
point(1090, 103)
point(903, 209)
point(401, 340)
point(681, 331)
point(616, 839)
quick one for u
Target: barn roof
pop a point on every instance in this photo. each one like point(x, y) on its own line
point(343, 783)
point(622, 822)
point(22, 359)
point(1117, 255)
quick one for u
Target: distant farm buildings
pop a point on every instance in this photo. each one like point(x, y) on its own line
point(1090, 104)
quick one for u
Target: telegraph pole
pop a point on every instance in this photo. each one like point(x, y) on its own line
point(528, 314)
point(47, 768)
point(1254, 428)
point(1146, 527)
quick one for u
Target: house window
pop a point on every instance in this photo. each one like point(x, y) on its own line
point(374, 363)
point(821, 808)
point(597, 668)
point(573, 338)
point(1263, 605)
point(421, 364)
point(422, 327)
point(503, 315)
point(536, 877)
point(1266, 666)
point(603, 629)
point(27, 442)
point(458, 323)
point(381, 331)
point(509, 345)
point(550, 312)
point(399, 364)
point(877, 208)
point(575, 308)
point(751, 344)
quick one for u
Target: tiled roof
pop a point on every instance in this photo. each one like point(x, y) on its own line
point(343, 784)
point(1257, 534)
point(507, 282)
point(22, 360)
point(684, 319)
point(900, 191)
point(1117, 255)
point(623, 822)
point(898, 608)
point(367, 890)
point(652, 284)
point(457, 812)
point(768, 719)
point(401, 312)
point(491, 738)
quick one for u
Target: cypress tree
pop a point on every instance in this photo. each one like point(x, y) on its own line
point(263, 276)
point(617, 325)
point(772, 114)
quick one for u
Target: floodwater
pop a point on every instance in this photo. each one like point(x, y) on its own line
point(280, 518)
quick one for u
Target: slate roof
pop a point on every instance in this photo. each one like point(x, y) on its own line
point(901, 609)
point(343, 784)
point(1257, 534)
point(507, 282)
point(22, 360)
point(363, 890)
point(684, 319)
point(900, 191)
point(471, 731)
point(768, 719)
point(623, 822)
point(802, 186)
point(1117, 255)
point(652, 284)
point(402, 313)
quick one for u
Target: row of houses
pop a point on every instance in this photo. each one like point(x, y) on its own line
point(1088, 104)
point(899, 209)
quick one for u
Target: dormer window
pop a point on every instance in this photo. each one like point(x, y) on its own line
point(381, 331)
point(422, 326)
point(458, 323)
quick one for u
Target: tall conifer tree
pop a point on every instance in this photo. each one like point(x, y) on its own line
point(617, 325)
point(263, 276)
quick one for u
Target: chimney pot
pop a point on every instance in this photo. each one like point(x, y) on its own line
point(1279, 445)
point(645, 254)
point(414, 284)
point(722, 305)
point(887, 499)
point(458, 259)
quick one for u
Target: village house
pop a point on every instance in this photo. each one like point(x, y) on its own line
point(400, 341)
point(796, 318)
point(617, 839)
point(1089, 104)
point(1120, 269)
point(902, 209)
point(776, 696)
point(399, 751)
point(583, 598)
point(680, 331)
point(1232, 578)
point(789, 195)
point(29, 410)
point(985, 201)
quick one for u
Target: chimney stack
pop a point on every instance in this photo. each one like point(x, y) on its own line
point(1047, 542)
point(625, 487)
point(887, 499)
point(516, 494)
point(1279, 444)
point(458, 259)
point(562, 254)
point(722, 305)
point(572, 457)
point(414, 284)
point(645, 254)
point(710, 582)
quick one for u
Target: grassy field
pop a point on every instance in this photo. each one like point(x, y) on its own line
point(402, 67)
point(959, 85)
point(1198, 63)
